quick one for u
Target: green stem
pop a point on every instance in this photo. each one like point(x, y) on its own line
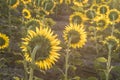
point(26, 71)
point(32, 62)
point(95, 36)
point(66, 65)
point(113, 28)
point(66, 59)
point(96, 45)
point(108, 64)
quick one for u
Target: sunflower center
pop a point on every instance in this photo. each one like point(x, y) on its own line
point(91, 14)
point(13, 2)
point(103, 10)
point(25, 13)
point(2, 41)
point(101, 23)
point(74, 35)
point(48, 5)
point(77, 19)
point(44, 47)
point(32, 24)
point(113, 15)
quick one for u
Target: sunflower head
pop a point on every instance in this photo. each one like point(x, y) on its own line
point(113, 15)
point(77, 18)
point(14, 4)
point(48, 6)
point(94, 7)
point(4, 41)
point(101, 22)
point(32, 23)
point(26, 13)
point(48, 47)
point(103, 9)
point(76, 34)
point(111, 40)
point(26, 1)
point(90, 14)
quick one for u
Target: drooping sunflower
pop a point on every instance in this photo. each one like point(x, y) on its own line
point(4, 41)
point(94, 7)
point(32, 23)
point(111, 40)
point(48, 47)
point(79, 2)
point(14, 4)
point(48, 6)
point(102, 22)
point(113, 15)
point(26, 1)
point(90, 14)
point(77, 18)
point(26, 13)
point(76, 34)
point(103, 9)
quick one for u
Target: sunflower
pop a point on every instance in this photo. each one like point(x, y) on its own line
point(14, 4)
point(113, 15)
point(26, 1)
point(77, 18)
point(101, 22)
point(76, 34)
point(79, 2)
point(26, 13)
point(111, 40)
point(103, 9)
point(32, 23)
point(4, 41)
point(47, 53)
point(94, 7)
point(90, 14)
point(48, 6)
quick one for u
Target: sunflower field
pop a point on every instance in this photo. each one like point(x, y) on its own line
point(59, 40)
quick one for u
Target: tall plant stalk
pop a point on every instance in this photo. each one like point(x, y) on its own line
point(108, 64)
point(67, 59)
point(32, 62)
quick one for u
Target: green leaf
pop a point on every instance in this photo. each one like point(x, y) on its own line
point(101, 59)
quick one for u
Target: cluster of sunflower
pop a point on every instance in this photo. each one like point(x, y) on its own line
point(101, 19)
point(41, 46)
point(100, 16)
